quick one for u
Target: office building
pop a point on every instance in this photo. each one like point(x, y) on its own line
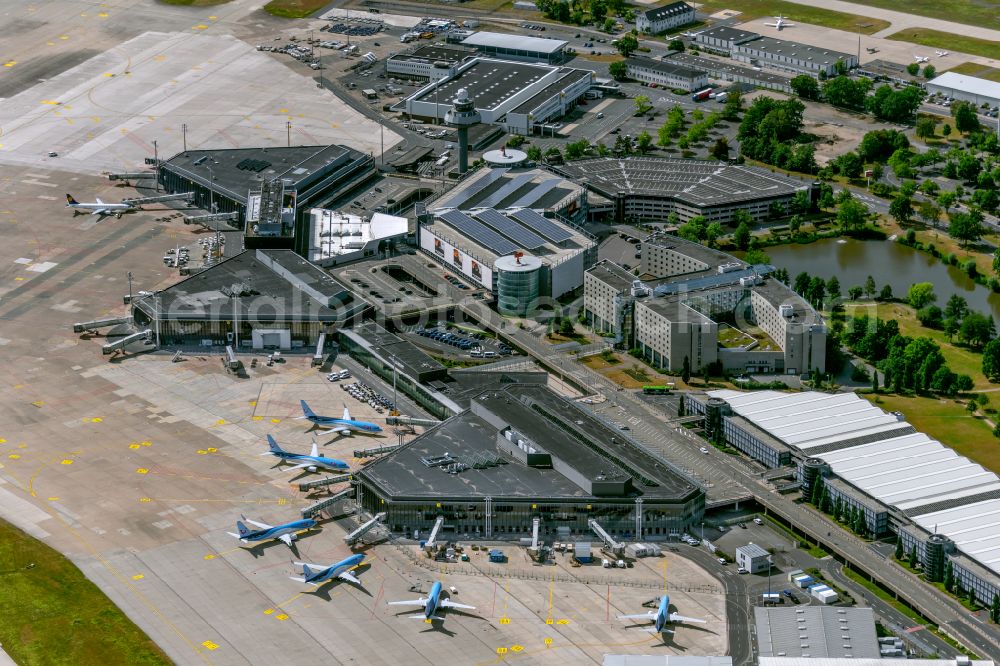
point(666, 73)
point(661, 19)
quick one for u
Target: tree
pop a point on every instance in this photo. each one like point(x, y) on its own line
point(875, 381)
point(925, 127)
point(676, 45)
point(854, 293)
point(566, 327)
point(870, 286)
point(720, 149)
point(712, 233)
point(991, 360)
point(801, 284)
point(609, 24)
point(966, 119)
point(946, 130)
point(627, 45)
point(956, 307)
point(849, 164)
point(643, 142)
point(846, 92)
point(642, 105)
point(921, 294)
point(901, 208)
point(742, 236)
point(618, 70)
point(733, 106)
point(946, 199)
point(805, 86)
point(913, 69)
point(851, 214)
point(686, 371)
point(899, 548)
point(534, 153)
point(949, 576)
point(833, 287)
point(930, 72)
point(995, 608)
point(598, 10)
point(966, 227)
point(913, 557)
point(886, 293)
point(977, 330)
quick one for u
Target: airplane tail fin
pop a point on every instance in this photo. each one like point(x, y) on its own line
point(306, 571)
point(274, 445)
point(305, 409)
point(70, 200)
point(241, 528)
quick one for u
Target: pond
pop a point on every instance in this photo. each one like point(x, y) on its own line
point(888, 262)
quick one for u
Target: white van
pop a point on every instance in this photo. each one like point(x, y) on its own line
point(489, 354)
point(476, 354)
point(758, 521)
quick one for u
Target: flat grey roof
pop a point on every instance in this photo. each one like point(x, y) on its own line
point(612, 275)
point(273, 286)
point(665, 67)
point(752, 550)
point(502, 40)
point(697, 182)
point(817, 631)
point(489, 82)
point(234, 170)
point(669, 9)
point(795, 50)
point(713, 258)
point(411, 360)
point(719, 68)
point(570, 77)
point(435, 52)
point(727, 33)
point(467, 435)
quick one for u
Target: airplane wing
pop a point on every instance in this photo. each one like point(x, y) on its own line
point(263, 526)
point(771, 25)
point(349, 577)
point(99, 211)
point(411, 602)
point(310, 565)
point(674, 617)
point(287, 538)
point(650, 615)
point(447, 603)
point(302, 466)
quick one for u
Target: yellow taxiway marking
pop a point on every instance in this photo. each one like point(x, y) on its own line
point(212, 18)
point(138, 577)
point(142, 470)
point(200, 26)
point(19, 279)
point(37, 403)
point(66, 462)
point(258, 418)
point(133, 446)
point(63, 37)
point(50, 43)
point(103, 15)
point(2, 440)
point(275, 420)
point(50, 102)
point(53, 499)
point(10, 63)
point(282, 110)
point(13, 456)
point(209, 645)
point(282, 617)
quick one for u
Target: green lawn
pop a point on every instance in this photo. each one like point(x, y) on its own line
point(975, 69)
point(947, 421)
point(51, 614)
point(751, 9)
point(294, 8)
point(972, 12)
point(947, 41)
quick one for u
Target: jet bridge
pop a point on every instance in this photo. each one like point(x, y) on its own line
point(328, 481)
point(434, 532)
point(408, 420)
point(99, 323)
point(377, 451)
point(203, 220)
point(133, 175)
point(320, 344)
point(163, 197)
point(313, 509)
point(535, 524)
point(364, 529)
point(615, 547)
point(112, 347)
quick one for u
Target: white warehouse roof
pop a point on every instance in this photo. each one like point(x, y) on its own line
point(909, 471)
point(967, 84)
point(503, 40)
point(798, 419)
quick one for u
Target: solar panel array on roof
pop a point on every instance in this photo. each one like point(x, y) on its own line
point(460, 197)
point(478, 232)
point(542, 225)
point(526, 238)
point(506, 190)
point(536, 193)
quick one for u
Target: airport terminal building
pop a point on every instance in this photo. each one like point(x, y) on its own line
point(692, 302)
point(666, 74)
point(522, 452)
point(270, 189)
point(649, 189)
point(903, 482)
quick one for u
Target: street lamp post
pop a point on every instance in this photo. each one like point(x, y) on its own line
point(156, 162)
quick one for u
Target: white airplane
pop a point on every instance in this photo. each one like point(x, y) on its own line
point(661, 617)
point(285, 532)
point(318, 574)
point(921, 58)
point(941, 54)
point(780, 23)
point(98, 207)
point(430, 604)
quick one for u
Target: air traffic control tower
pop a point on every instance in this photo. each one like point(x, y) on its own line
point(462, 116)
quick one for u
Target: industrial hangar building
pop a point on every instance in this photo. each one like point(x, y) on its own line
point(966, 88)
point(649, 189)
point(258, 299)
point(507, 46)
point(271, 189)
point(498, 213)
point(940, 503)
point(817, 632)
point(705, 306)
point(522, 452)
point(755, 49)
point(517, 96)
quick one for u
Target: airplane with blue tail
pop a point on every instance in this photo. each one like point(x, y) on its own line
point(661, 618)
point(341, 426)
point(312, 462)
point(318, 574)
point(265, 532)
point(431, 604)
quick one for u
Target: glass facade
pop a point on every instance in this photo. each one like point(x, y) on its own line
point(517, 291)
